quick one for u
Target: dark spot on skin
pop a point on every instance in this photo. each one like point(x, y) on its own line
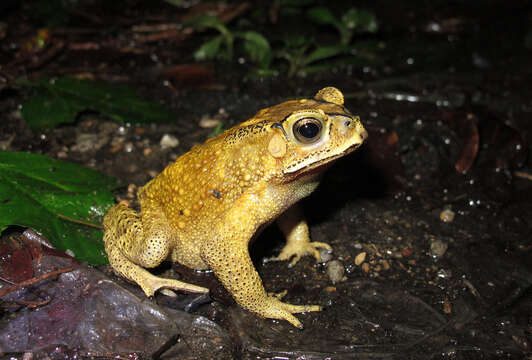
point(216, 193)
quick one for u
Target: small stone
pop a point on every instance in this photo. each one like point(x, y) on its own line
point(406, 252)
point(325, 255)
point(447, 215)
point(61, 154)
point(447, 308)
point(335, 271)
point(385, 265)
point(438, 248)
point(86, 142)
point(169, 141)
point(207, 122)
point(360, 258)
point(147, 151)
point(365, 267)
point(128, 147)
point(108, 127)
point(131, 188)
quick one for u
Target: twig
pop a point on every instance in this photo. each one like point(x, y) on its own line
point(523, 175)
point(168, 34)
point(155, 27)
point(81, 222)
point(32, 281)
point(164, 347)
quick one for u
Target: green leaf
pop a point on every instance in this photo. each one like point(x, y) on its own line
point(208, 21)
point(59, 101)
point(257, 47)
point(44, 111)
point(174, 2)
point(34, 189)
point(325, 52)
point(209, 50)
point(355, 19)
point(322, 15)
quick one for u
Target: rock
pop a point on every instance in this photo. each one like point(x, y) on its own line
point(325, 255)
point(169, 141)
point(207, 122)
point(360, 258)
point(335, 271)
point(447, 215)
point(438, 248)
point(86, 142)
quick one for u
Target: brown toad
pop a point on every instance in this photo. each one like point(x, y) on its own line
point(203, 210)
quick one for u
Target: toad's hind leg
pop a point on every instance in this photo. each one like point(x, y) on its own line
point(132, 243)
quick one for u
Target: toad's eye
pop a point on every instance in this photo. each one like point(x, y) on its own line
point(307, 130)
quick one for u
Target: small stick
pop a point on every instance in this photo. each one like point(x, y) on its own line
point(523, 175)
point(81, 222)
point(32, 281)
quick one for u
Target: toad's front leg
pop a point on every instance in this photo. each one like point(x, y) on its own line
point(294, 227)
point(227, 255)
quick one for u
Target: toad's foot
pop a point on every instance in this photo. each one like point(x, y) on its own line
point(151, 283)
point(276, 309)
point(297, 250)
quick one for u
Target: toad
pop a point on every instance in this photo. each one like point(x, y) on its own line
point(203, 210)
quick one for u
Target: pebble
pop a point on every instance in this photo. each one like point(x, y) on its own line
point(365, 267)
point(447, 215)
point(131, 189)
point(385, 264)
point(86, 142)
point(406, 252)
point(325, 255)
point(447, 308)
point(169, 141)
point(128, 147)
point(207, 122)
point(107, 127)
point(335, 271)
point(438, 248)
point(359, 259)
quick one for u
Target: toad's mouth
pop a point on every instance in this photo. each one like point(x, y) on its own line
point(321, 165)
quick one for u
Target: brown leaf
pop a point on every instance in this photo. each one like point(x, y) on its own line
point(470, 150)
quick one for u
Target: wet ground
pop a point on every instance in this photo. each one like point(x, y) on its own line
point(430, 221)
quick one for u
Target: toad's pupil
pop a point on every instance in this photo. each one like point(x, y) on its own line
point(309, 130)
